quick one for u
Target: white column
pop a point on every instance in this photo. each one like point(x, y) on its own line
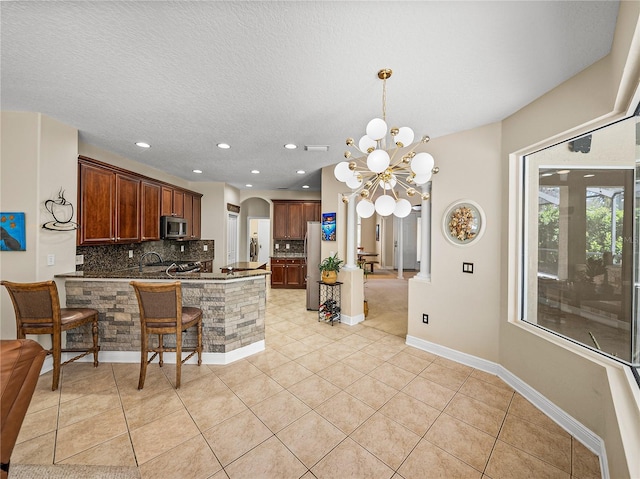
point(425, 233)
point(351, 234)
point(400, 248)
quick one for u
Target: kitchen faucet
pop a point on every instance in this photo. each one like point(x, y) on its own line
point(149, 253)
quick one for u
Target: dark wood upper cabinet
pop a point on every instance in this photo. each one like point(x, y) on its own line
point(119, 206)
point(290, 218)
point(95, 205)
point(167, 201)
point(127, 209)
point(197, 217)
point(178, 203)
point(150, 200)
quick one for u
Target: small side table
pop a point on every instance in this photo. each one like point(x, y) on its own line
point(329, 309)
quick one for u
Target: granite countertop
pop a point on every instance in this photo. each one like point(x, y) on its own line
point(160, 273)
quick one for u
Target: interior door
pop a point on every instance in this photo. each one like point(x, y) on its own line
point(264, 228)
point(232, 239)
point(409, 246)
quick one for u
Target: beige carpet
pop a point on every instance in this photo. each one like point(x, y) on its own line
point(387, 297)
point(71, 471)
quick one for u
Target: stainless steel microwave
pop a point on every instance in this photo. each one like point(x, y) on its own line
point(172, 227)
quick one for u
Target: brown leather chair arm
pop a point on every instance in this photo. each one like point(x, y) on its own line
point(20, 364)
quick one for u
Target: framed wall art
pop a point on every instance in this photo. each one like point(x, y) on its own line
point(328, 226)
point(13, 235)
point(463, 222)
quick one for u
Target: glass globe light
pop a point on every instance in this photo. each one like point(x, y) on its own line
point(422, 179)
point(365, 209)
point(385, 205)
point(366, 143)
point(402, 208)
point(378, 161)
point(422, 163)
point(376, 129)
point(355, 181)
point(404, 136)
point(342, 171)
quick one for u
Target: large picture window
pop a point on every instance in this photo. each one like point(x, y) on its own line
point(581, 239)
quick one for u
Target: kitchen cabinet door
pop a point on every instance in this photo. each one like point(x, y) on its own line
point(127, 209)
point(278, 273)
point(297, 227)
point(178, 203)
point(280, 220)
point(188, 213)
point(96, 199)
point(167, 201)
point(150, 210)
point(295, 279)
point(311, 211)
point(197, 217)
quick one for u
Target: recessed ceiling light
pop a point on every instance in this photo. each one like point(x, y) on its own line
point(591, 175)
point(142, 144)
point(546, 174)
point(305, 186)
point(290, 146)
point(255, 172)
point(301, 172)
point(197, 171)
point(249, 186)
point(563, 172)
point(223, 146)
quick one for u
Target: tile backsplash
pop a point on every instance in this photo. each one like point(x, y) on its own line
point(295, 246)
point(115, 257)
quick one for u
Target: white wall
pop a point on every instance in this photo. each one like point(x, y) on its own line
point(463, 309)
point(595, 391)
point(38, 158)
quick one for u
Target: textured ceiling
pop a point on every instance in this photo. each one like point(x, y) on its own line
point(184, 76)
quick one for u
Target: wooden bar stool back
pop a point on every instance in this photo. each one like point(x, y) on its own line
point(38, 311)
point(161, 312)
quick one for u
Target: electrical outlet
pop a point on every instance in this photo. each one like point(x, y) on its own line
point(79, 259)
point(467, 268)
point(425, 318)
point(51, 259)
point(205, 247)
point(130, 253)
point(287, 246)
point(182, 248)
point(277, 246)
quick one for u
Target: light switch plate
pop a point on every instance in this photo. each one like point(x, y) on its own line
point(79, 259)
point(130, 253)
point(205, 247)
point(51, 259)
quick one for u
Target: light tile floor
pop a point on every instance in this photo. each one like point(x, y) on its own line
point(321, 402)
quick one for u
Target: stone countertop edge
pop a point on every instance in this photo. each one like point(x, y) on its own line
point(162, 275)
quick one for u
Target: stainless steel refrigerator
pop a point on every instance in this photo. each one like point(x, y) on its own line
point(312, 259)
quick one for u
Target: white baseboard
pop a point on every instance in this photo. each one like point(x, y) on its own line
point(169, 358)
point(352, 320)
point(588, 438)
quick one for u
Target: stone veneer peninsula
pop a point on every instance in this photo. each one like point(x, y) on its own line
point(233, 311)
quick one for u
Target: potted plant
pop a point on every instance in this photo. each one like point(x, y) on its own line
point(329, 268)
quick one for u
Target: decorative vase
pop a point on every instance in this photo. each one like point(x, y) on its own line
point(329, 277)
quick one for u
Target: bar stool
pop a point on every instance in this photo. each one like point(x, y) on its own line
point(38, 311)
point(161, 312)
